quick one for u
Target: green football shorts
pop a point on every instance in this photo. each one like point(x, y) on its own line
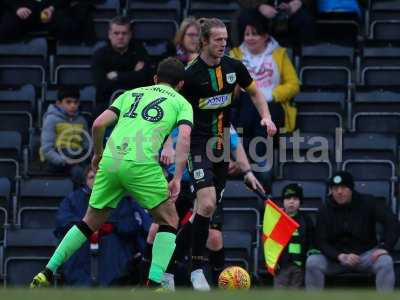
point(114, 178)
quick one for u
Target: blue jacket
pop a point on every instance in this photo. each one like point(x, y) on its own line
point(130, 226)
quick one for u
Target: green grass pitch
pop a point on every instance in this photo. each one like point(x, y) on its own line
point(253, 294)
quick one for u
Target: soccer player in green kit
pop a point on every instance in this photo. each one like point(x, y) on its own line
point(129, 163)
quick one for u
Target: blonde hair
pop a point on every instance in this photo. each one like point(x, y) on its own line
point(185, 24)
point(206, 24)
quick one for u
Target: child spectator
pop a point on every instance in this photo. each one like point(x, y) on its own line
point(290, 272)
point(65, 137)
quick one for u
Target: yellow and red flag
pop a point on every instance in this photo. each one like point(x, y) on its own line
point(278, 229)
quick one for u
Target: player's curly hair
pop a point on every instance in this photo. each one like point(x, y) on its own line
point(206, 24)
point(170, 70)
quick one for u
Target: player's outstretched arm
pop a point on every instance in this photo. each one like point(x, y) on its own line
point(107, 118)
point(260, 103)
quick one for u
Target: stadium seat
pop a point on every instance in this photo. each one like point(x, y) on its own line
point(72, 54)
point(385, 30)
point(312, 147)
point(224, 10)
point(22, 98)
point(101, 26)
point(11, 145)
point(5, 195)
point(156, 9)
point(381, 189)
point(317, 99)
point(107, 8)
point(20, 121)
point(37, 217)
point(23, 74)
point(372, 170)
point(326, 64)
point(73, 75)
point(379, 65)
point(314, 192)
point(240, 232)
point(340, 31)
point(376, 99)
point(10, 169)
point(155, 34)
point(292, 170)
point(44, 191)
point(370, 146)
point(380, 122)
point(19, 271)
point(26, 251)
point(29, 52)
point(325, 122)
point(236, 194)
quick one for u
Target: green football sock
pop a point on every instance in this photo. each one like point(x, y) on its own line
point(71, 242)
point(163, 248)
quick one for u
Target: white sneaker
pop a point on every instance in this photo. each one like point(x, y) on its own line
point(199, 281)
point(168, 282)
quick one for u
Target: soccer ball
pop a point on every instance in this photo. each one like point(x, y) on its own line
point(234, 278)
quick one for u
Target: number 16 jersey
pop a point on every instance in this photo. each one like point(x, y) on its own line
point(146, 116)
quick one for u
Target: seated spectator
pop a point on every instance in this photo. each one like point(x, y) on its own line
point(65, 136)
point(187, 40)
point(23, 16)
point(347, 239)
point(121, 64)
point(271, 68)
point(287, 17)
point(290, 273)
point(73, 21)
point(120, 240)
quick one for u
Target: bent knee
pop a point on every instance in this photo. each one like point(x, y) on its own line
point(384, 262)
point(315, 262)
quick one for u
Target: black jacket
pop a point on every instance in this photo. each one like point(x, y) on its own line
point(106, 59)
point(305, 239)
point(351, 228)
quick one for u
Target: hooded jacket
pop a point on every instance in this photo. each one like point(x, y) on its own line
point(275, 76)
point(351, 228)
point(61, 132)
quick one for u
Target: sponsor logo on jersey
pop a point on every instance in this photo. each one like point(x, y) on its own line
point(198, 174)
point(231, 78)
point(215, 101)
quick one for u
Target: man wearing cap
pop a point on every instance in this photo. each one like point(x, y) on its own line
point(290, 273)
point(346, 236)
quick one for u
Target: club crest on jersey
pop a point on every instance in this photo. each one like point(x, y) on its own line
point(198, 174)
point(231, 78)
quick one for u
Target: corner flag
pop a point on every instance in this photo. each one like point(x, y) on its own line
point(278, 228)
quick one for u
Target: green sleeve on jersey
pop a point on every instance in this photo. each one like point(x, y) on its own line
point(185, 114)
point(118, 103)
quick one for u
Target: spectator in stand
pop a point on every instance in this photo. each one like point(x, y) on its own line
point(65, 136)
point(23, 16)
point(187, 40)
point(124, 234)
point(271, 68)
point(73, 21)
point(346, 236)
point(291, 17)
point(290, 273)
point(121, 64)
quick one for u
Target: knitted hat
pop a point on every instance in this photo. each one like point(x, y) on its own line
point(292, 190)
point(341, 178)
